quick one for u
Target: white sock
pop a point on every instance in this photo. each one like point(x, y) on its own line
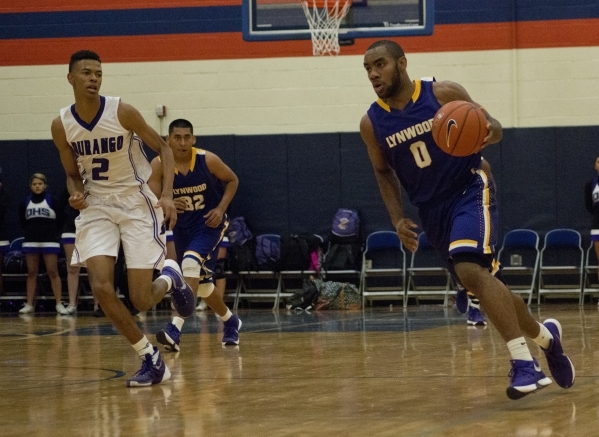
point(227, 315)
point(518, 349)
point(169, 281)
point(544, 337)
point(178, 322)
point(143, 347)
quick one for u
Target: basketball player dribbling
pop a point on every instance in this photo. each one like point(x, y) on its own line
point(456, 205)
point(99, 139)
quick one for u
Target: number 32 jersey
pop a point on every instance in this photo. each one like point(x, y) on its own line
point(111, 158)
point(424, 170)
point(200, 189)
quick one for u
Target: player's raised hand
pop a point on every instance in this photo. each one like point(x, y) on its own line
point(77, 200)
point(408, 237)
point(170, 211)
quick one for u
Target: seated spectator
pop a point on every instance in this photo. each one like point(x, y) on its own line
point(41, 224)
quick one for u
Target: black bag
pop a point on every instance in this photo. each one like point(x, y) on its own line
point(296, 251)
point(242, 257)
point(343, 257)
point(14, 262)
point(305, 299)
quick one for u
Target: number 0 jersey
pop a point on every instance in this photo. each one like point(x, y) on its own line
point(201, 190)
point(110, 158)
point(424, 170)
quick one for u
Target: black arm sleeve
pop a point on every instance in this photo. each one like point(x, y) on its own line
point(588, 196)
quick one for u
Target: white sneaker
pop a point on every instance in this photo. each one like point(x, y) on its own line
point(202, 306)
point(60, 309)
point(71, 309)
point(26, 309)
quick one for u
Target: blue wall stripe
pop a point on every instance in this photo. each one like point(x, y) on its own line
point(120, 22)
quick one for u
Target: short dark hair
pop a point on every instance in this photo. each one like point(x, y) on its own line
point(392, 47)
point(180, 122)
point(81, 55)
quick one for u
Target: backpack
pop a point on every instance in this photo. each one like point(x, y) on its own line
point(14, 262)
point(297, 251)
point(345, 242)
point(238, 231)
point(306, 298)
point(268, 252)
point(241, 257)
point(343, 257)
point(346, 227)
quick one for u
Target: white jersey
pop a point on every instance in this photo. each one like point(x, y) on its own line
point(110, 158)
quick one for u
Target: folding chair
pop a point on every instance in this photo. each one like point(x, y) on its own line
point(591, 283)
point(427, 275)
point(561, 267)
point(292, 280)
point(519, 257)
point(261, 285)
point(383, 274)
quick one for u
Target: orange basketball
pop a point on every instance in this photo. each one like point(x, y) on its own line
point(459, 128)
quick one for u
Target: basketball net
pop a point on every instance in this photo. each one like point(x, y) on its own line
point(324, 25)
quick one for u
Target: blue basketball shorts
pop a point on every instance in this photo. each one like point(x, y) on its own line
point(465, 222)
point(201, 244)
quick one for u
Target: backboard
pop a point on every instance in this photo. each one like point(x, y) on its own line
point(265, 20)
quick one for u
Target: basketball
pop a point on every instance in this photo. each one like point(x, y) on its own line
point(459, 128)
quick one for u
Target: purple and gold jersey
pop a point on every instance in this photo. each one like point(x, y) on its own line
point(200, 189)
point(424, 170)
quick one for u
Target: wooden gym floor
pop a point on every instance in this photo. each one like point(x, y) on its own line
point(381, 372)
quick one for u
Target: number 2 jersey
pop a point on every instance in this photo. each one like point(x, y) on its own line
point(111, 158)
point(424, 170)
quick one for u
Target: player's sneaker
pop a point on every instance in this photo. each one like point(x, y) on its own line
point(182, 296)
point(153, 371)
point(525, 378)
point(71, 309)
point(26, 309)
point(475, 317)
point(60, 309)
point(560, 366)
point(231, 331)
point(461, 300)
point(202, 306)
point(169, 337)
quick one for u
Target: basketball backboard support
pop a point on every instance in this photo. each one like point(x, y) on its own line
point(265, 20)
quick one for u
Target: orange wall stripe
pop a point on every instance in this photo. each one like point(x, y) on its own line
point(463, 37)
point(70, 5)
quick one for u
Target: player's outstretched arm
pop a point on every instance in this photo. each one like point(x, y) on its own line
point(132, 120)
point(228, 177)
point(389, 186)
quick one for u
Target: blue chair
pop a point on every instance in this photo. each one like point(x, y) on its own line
point(383, 273)
point(427, 275)
point(519, 257)
point(16, 244)
point(591, 282)
point(561, 266)
point(263, 284)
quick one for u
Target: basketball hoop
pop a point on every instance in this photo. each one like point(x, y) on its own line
point(324, 22)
